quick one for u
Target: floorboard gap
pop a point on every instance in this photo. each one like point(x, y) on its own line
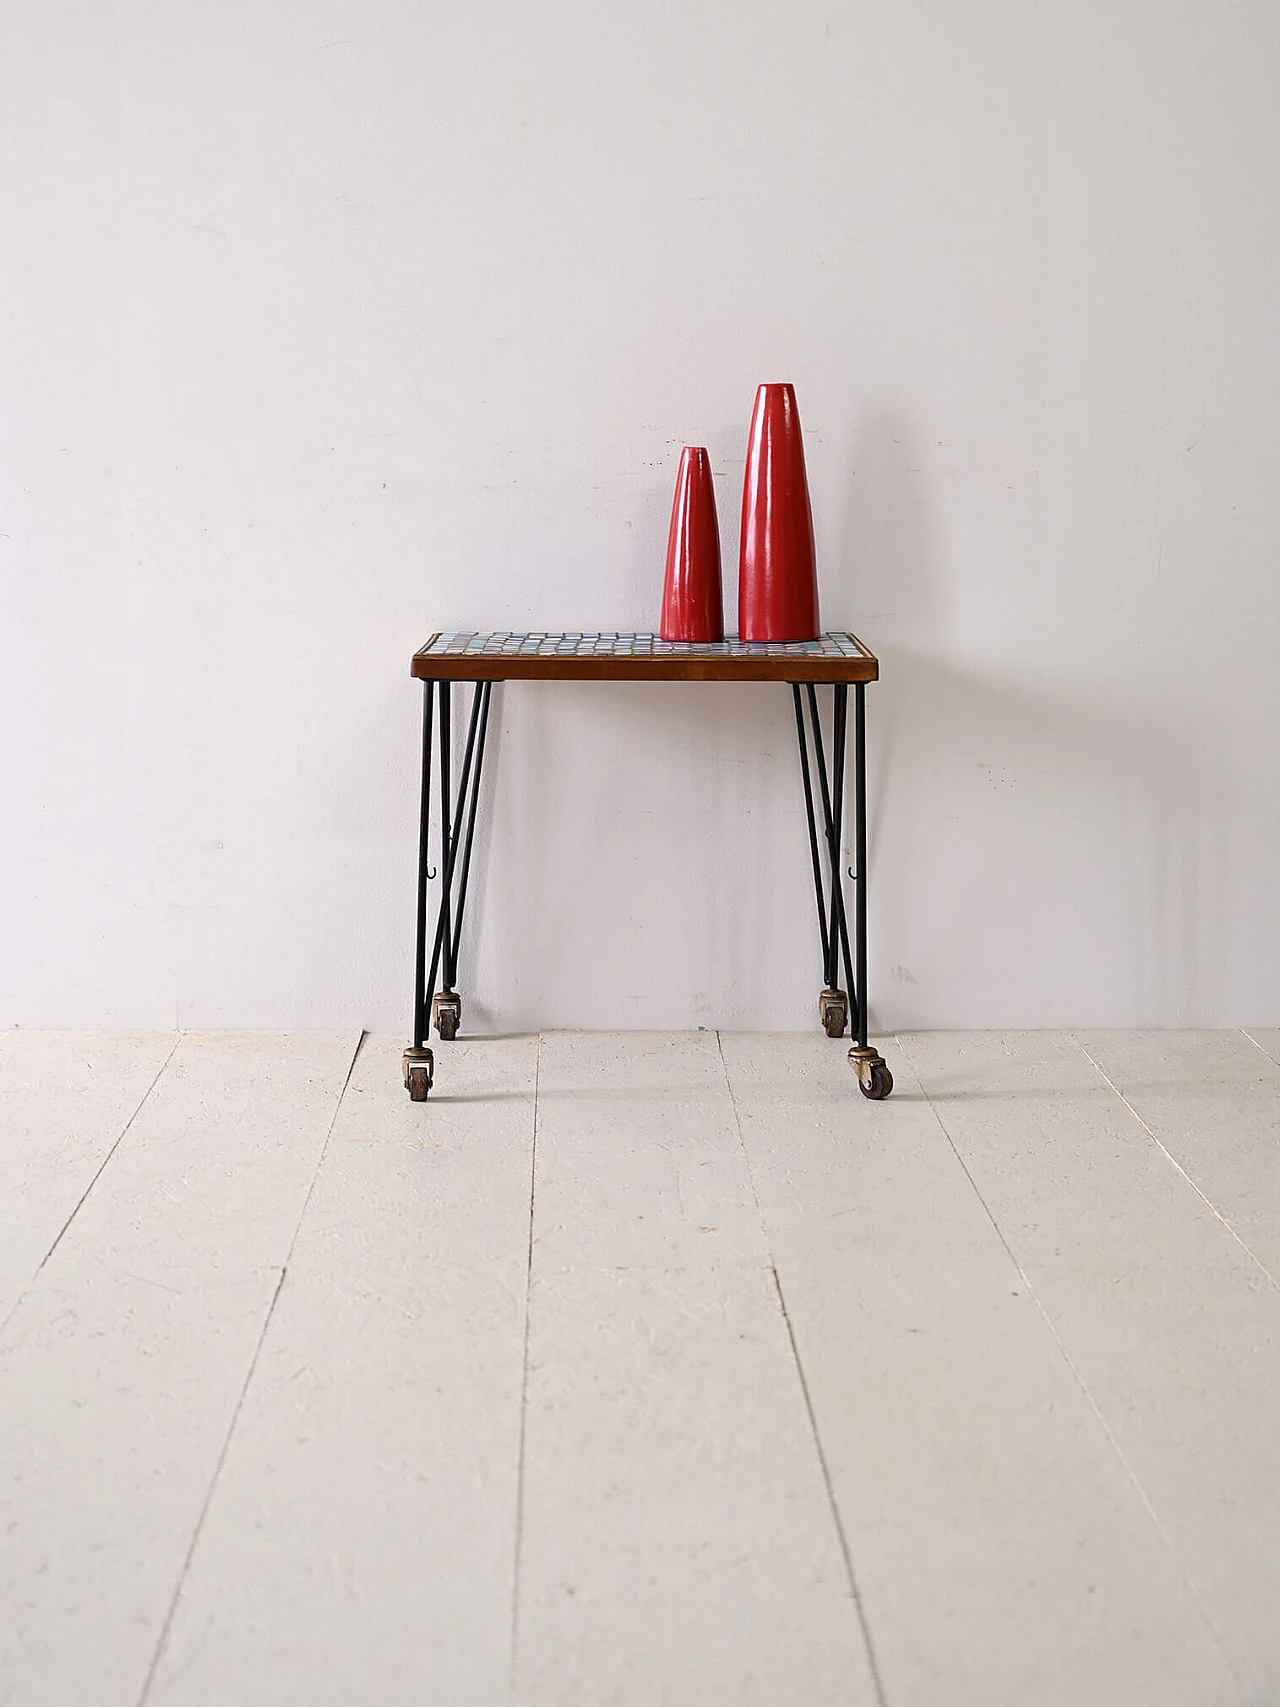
point(84, 1195)
point(524, 1379)
point(1167, 1540)
point(850, 1574)
point(1177, 1166)
point(165, 1628)
point(1261, 1047)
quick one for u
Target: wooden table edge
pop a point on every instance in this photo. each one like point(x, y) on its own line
point(667, 667)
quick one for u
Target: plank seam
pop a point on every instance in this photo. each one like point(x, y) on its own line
point(162, 1641)
point(524, 1382)
point(873, 1664)
point(1265, 1051)
point(842, 1538)
point(1137, 1486)
point(83, 1198)
point(1177, 1165)
point(746, 1155)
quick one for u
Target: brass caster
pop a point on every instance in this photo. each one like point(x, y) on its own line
point(446, 1011)
point(419, 1073)
point(833, 1011)
point(875, 1081)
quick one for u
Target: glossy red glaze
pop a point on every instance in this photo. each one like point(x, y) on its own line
point(777, 570)
point(691, 608)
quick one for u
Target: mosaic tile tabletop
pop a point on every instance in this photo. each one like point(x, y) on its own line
point(537, 645)
point(622, 656)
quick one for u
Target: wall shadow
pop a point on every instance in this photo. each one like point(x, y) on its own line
point(1061, 837)
point(1095, 809)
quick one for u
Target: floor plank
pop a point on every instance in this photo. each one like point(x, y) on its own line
point(1212, 1099)
point(639, 1159)
point(1172, 1327)
point(65, 1098)
point(678, 1544)
point(360, 1543)
point(1000, 1550)
point(122, 1366)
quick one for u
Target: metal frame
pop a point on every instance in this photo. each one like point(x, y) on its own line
point(833, 926)
point(837, 1006)
point(457, 836)
point(457, 818)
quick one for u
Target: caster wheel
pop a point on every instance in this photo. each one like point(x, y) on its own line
point(418, 1068)
point(881, 1083)
point(833, 1010)
point(447, 1010)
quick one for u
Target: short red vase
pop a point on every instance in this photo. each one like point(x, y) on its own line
point(691, 608)
point(777, 570)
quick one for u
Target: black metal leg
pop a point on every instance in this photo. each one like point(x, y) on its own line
point(457, 834)
point(452, 934)
point(833, 927)
point(446, 750)
point(446, 1003)
point(860, 852)
point(424, 868)
point(483, 697)
point(838, 931)
point(419, 1062)
point(831, 965)
point(874, 1078)
point(813, 831)
point(840, 719)
point(836, 1006)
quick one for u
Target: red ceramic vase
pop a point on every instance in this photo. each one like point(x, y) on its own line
point(777, 572)
point(691, 595)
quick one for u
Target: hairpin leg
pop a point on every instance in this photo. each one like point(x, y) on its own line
point(833, 928)
point(874, 1078)
point(457, 836)
point(839, 1007)
point(419, 1062)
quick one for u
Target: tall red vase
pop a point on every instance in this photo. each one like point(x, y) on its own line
point(777, 570)
point(691, 607)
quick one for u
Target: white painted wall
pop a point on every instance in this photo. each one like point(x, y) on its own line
point(329, 324)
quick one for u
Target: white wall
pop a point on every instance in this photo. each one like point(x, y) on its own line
point(326, 325)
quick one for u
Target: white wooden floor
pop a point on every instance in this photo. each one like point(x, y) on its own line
point(637, 1370)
